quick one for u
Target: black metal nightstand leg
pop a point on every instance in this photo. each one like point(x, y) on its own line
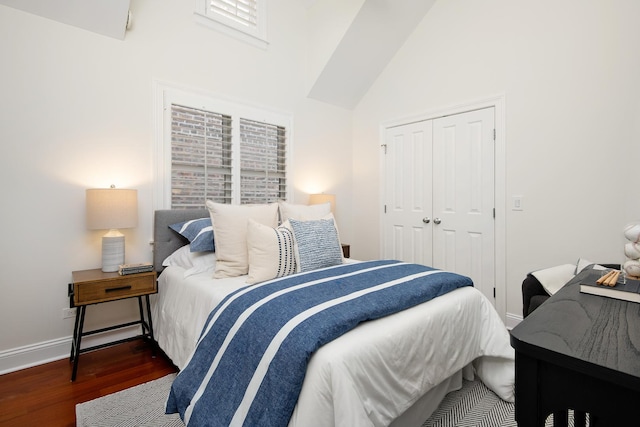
point(74, 353)
point(153, 340)
point(142, 324)
point(75, 350)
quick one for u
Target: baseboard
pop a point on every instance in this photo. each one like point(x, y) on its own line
point(49, 351)
point(513, 320)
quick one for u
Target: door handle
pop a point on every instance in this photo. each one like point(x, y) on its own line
point(437, 220)
point(426, 220)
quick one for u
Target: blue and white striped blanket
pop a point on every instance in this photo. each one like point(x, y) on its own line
point(251, 359)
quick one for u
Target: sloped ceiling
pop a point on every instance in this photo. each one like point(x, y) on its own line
point(349, 48)
point(106, 17)
point(376, 32)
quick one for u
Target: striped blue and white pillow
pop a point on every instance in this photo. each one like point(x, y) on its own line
point(271, 252)
point(199, 233)
point(317, 244)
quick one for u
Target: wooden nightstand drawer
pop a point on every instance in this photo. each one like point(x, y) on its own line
point(95, 286)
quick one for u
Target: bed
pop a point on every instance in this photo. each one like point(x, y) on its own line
point(393, 370)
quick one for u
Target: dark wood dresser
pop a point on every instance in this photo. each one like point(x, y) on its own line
point(582, 352)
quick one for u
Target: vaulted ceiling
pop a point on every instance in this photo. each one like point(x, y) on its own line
point(348, 48)
point(365, 44)
point(106, 17)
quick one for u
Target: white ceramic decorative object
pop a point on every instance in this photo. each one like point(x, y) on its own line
point(632, 232)
point(632, 250)
point(632, 268)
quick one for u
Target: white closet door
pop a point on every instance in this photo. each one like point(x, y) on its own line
point(408, 193)
point(463, 196)
point(439, 195)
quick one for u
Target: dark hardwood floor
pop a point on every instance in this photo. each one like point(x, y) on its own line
point(45, 396)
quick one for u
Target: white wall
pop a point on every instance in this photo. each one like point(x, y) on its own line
point(569, 74)
point(78, 113)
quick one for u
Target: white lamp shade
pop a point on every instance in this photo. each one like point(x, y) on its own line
point(317, 199)
point(111, 208)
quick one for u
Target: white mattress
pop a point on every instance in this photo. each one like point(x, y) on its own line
point(372, 374)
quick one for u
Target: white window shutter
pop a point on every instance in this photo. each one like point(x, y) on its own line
point(262, 162)
point(200, 157)
point(243, 19)
point(244, 12)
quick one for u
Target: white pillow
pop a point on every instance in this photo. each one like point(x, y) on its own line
point(317, 244)
point(583, 263)
point(271, 252)
point(554, 278)
point(192, 262)
point(230, 231)
point(303, 212)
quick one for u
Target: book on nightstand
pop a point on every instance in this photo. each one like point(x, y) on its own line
point(124, 269)
point(629, 291)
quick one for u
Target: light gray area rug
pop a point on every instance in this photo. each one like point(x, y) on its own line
point(474, 405)
point(138, 406)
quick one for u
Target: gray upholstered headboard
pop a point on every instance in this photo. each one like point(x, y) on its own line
point(165, 240)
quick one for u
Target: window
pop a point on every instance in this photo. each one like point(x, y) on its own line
point(200, 157)
point(244, 12)
point(262, 162)
point(243, 19)
point(220, 151)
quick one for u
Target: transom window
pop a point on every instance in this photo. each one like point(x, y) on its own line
point(243, 19)
point(244, 12)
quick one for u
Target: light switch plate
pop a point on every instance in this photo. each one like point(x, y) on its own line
point(517, 203)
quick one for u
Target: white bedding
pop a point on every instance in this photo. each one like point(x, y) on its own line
point(372, 374)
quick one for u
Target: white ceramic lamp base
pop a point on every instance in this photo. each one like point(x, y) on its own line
point(112, 251)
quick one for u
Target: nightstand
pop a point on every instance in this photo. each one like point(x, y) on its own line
point(95, 287)
point(346, 250)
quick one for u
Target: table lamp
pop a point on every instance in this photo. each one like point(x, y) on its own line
point(111, 209)
point(317, 199)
